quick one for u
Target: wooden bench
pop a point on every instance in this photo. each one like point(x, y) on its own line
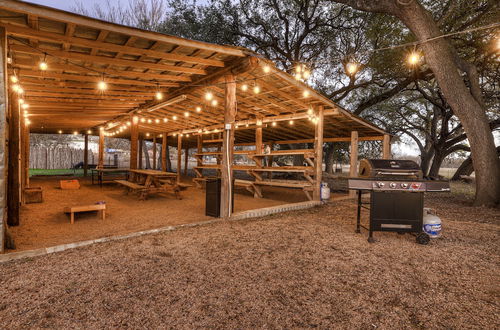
point(306, 186)
point(85, 208)
point(180, 185)
point(130, 185)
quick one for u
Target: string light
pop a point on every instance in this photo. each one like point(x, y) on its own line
point(209, 96)
point(27, 121)
point(246, 125)
point(25, 106)
point(256, 89)
point(43, 64)
point(165, 120)
point(266, 68)
point(101, 85)
point(15, 87)
point(305, 93)
point(129, 123)
point(214, 103)
point(159, 96)
point(198, 109)
point(59, 131)
point(259, 122)
point(89, 132)
point(414, 58)
point(186, 114)
point(351, 68)
point(174, 117)
point(14, 79)
point(161, 135)
point(20, 90)
point(149, 121)
point(244, 87)
point(21, 101)
point(157, 121)
point(143, 120)
point(302, 72)
point(291, 122)
point(75, 133)
point(274, 124)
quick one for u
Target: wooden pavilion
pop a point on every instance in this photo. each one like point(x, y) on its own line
point(63, 72)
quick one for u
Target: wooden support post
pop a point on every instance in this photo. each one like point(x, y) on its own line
point(14, 174)
point(179, 157)
point(26, 154)
point(134, 137)
point(353, 171)
point(386, 147)
point(186, 160)
point(140, 151)
point(228, 146)
point(154, 152)
point(100, 162)
point(85, 154)
point(164, 146)
point(3, 121)
point(318, 151)
point(199, 150)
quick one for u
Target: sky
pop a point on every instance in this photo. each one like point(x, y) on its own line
point(67, 4)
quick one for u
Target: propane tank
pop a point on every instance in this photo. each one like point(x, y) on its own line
point(432, 223)
point(325, 191)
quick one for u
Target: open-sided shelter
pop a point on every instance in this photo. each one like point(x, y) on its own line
point(80, 74)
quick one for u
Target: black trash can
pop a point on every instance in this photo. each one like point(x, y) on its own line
point(213, 197)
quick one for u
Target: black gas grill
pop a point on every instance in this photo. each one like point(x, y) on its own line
point(396, 196)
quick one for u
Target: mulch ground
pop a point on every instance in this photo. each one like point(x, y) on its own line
point(299, 269)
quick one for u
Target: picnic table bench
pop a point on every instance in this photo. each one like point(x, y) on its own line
point(146, 182)
point(85, 208)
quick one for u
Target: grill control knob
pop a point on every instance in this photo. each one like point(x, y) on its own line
point(380, 184)
point(404, 185)
point(392, 185)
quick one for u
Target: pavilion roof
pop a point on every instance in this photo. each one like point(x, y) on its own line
point(135, 64)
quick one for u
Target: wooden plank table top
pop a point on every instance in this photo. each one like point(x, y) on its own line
point(154, 173)
point(155, 181)
point(110, 170)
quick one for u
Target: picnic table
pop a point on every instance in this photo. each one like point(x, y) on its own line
point(101, 173)
point(147, 182)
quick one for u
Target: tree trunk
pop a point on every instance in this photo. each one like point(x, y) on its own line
point(146, 154)
point(442, 60)
point(425, 161)
point(330, 152)
point(436, 165)
point(466, 168)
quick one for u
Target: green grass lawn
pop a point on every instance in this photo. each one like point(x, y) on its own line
point(63, 171)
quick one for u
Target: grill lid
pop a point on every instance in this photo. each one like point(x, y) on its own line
point(389, 168)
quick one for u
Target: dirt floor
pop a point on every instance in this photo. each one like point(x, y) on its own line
point(294, 270)
point(45, 224)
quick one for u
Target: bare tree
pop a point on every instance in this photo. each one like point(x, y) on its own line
point(144, 14)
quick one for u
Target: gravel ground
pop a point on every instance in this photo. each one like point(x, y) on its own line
point(299, 269)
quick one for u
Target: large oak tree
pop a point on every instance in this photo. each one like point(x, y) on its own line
point(458, 82)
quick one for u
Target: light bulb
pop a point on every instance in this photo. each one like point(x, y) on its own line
point(351, 68)
point(20, 90)
point(101, 85)
point(266, 68)
point(413, 58)
point(244, 87)
point(306, 74)
point(75, 133)
point(21, 101)
point(306, 93)
point(274, 124)
point(157, 121)
point(209, 96)
point(298, 76)
point(256, 89)
point(291, 122)
point(159, 96)
point(147, 134)
point(25, 106)
point(129, 123)
point(143, 120)
point(149, 121)
point(59, 131)
point(43, 66)
point(14, 79)
point(15, 87)
point(186, 114)
point(165, 120)
point(298, 69)
point(198, 109)
point(174, 117)
point(89, 132)
point(214, 103)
